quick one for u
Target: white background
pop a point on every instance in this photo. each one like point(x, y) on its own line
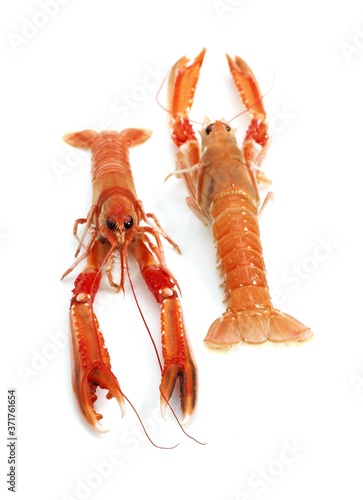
point(70, 72)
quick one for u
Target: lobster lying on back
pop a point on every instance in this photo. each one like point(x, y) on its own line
point(223, 183)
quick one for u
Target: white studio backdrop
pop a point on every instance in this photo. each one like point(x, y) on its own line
point(279, 422)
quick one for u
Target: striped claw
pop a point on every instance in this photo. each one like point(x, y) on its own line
point(85, 386)
point(256, 141)
point(181, 88)
point(91, 367)
point(182, 83)
point(178, 360)
point(248, 88)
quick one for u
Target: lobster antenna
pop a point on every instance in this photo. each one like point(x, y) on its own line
point(143, 317)
point(159, 360)
point(144, 429)
point(158, 94)
point(179, 423)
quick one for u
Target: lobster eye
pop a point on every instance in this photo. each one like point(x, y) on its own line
point(209, 129)
point(227, 127)
point(111, 224)
point(128, 222)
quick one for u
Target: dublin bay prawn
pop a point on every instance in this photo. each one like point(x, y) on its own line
point(117, 223)
point(223, 182)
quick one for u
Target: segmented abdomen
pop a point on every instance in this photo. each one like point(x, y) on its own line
point(110, 154)
point(239, 251)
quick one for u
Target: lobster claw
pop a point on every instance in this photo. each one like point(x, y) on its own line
point(91, 367)
point(88, 374)
point(181, 88)
point(182, 83)
point(177, 355)
point(256, 141)
point(178, 360)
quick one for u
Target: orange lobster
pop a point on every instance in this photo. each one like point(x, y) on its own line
point(114, 224)
point(223, 184)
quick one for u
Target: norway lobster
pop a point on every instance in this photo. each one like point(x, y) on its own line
point(223, 183)
point(117, 223)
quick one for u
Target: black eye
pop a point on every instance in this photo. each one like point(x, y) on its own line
point(209, 129)
point(111, 224)
point(227, 127)
point(129, 222)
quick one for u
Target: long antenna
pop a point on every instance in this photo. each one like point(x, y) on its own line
point(158, 357)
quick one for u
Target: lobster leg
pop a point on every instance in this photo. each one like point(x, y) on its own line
point(177, 355)
point(90, 359)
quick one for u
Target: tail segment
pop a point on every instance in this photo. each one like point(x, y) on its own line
point(255, 327)
point(250, 315)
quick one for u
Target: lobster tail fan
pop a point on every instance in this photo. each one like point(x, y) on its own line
point(284, 328)
point(224, 332)
point(255, 327)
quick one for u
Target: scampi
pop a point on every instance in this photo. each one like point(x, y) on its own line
point(223, 181)
point(115, 227)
